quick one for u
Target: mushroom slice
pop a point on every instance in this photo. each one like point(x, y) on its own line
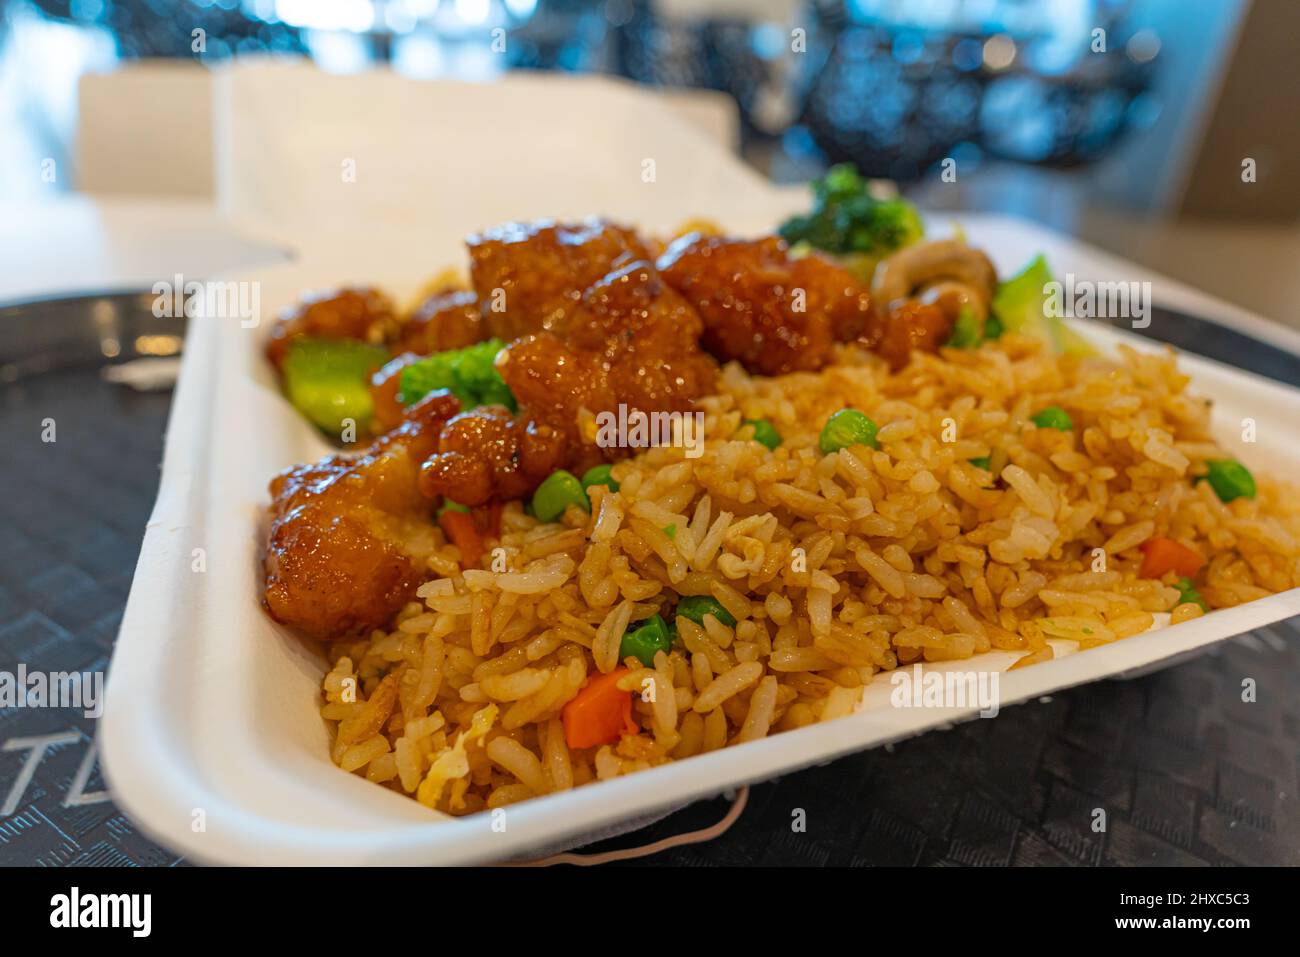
point(898, 276)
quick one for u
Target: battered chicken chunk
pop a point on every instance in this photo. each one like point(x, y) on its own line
point(351, 313)
point(632, 341)
point(348, 536)
point(773, 313)
point(531, 276)
point(385, 383)
point(446, 320)
point(488, 453)
point(913, 326)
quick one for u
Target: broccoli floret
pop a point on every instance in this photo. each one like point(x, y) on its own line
point(469, 374)
point(846, 218)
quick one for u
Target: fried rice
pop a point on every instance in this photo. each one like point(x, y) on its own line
point(835, 567)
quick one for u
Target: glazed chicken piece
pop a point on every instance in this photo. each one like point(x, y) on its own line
point(348, 537)
point(446, 320)
point(911, 326)
point(772, 313)
point(385, 383)
point(488, 453)
point(351, 313)
point(530, 277)
point(632, 340)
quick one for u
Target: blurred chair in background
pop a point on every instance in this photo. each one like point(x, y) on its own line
point(1089, 115)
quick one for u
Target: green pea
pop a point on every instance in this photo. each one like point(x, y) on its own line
point(600, 475)
point(845, 428)
point(765, 432)
point(1229, 479)
point(449, 506)
point(644, 642)
point(695, 607)
point(560, 490)
point(983, 462)
point(1187, 592)
point(1053, 417)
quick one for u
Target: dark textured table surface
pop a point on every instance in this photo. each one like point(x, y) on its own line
point(1185, 771)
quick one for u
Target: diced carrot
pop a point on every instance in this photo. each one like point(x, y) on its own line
point(464, 534)
point(490, 516)
point(600, 713)
point(1163, 555)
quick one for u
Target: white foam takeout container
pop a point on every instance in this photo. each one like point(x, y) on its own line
point(212, 740)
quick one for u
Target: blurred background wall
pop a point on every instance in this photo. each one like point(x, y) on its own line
point(1165, 130)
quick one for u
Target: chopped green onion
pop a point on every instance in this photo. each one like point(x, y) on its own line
point(600, 475)
point(695, 607)
point(1187, 593)
point(982, 462)
point(1053, 417)
point(671, 531)
point(560, 490)
point(642, 644)
point(765, 432)
point(1229, 479)
point(845, 428)
point(967, 333)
